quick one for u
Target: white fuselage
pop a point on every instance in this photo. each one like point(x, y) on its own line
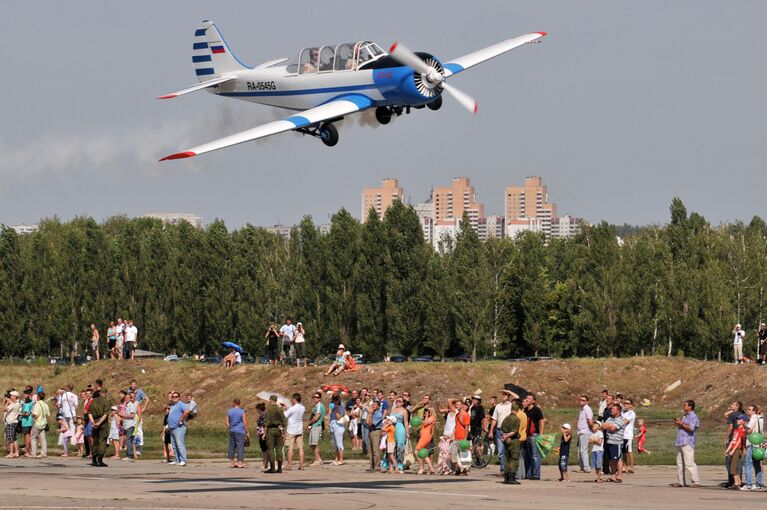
point(275, 86)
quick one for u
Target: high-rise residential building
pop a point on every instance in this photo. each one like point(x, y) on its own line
point(173, 218)
point(425, 212)
point(451, 202)
point(381, 198)
point(529, 202)
point(25, 229)
point(491, 226)
point(566, 226)
point(445, 231)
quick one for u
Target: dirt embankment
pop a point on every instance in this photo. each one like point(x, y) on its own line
point(557, 382)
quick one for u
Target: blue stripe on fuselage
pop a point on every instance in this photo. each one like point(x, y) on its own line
point(201, 58)
point(199, 46)
point(301, 92)
point(207, 70)
point(199, 32)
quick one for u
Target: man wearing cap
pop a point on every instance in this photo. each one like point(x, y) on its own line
point(275, 423)
point(509, 435)
point(502, 410)
point(477, 413)
point(98, 414)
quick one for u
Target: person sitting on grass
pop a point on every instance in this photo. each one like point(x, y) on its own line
point(338, 364)
point(350, 364)
point(233, 358)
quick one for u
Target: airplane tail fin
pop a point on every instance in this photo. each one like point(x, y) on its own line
point(211, 55)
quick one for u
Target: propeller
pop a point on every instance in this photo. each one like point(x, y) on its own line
point(432, 76)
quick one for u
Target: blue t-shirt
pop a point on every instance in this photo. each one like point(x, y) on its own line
point(236, 423)
point(175, 414)
point(26, 407)
point(377, 419)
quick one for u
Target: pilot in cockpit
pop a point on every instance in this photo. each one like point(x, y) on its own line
point(313, 63)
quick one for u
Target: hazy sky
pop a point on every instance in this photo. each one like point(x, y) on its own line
point(624, 105)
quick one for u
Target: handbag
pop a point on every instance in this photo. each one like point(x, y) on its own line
point(343, 420)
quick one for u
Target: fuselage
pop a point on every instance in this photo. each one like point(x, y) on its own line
point(385, 84)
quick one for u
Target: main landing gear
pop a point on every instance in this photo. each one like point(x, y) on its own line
point(326, 132)
point(384, 114)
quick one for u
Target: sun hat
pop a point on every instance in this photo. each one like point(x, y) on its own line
point(477, 395)
point(566, 426)
point(113, 408)
point(347, 353)
point(14, 393)
point(341, 346)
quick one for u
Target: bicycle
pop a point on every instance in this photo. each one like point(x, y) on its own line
point(482, 452)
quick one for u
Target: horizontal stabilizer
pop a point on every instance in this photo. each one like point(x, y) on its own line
point(199, 86)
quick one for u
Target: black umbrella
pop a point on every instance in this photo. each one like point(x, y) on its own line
point(519, 390)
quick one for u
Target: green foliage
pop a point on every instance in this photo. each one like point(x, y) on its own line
point(380, 289)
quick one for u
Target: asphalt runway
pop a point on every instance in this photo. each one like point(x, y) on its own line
point(54, 483)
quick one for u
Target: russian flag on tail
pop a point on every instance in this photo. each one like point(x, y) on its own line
point(217, 49)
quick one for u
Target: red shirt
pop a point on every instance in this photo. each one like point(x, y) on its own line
point(738, 436)
point(462, 421)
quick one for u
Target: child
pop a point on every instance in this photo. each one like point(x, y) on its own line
point(443, 464)
point(64, 434)
point(597, 449)
point(391, 445)
point(736, 447)
point(79, 435)
point(564, 453)
point(114, 431)
point(642, 437)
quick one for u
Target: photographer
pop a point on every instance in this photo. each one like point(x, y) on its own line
point(11, 411)
point(737, 343)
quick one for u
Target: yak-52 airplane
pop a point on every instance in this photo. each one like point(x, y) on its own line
point(328, 82)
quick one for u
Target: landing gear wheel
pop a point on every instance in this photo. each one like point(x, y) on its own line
point(436, 104)
point(328, 134)
point(383, 115)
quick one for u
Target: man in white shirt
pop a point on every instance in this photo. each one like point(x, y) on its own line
point(288, 331)
point(603, 403)
point(629, 417)
point(129, 423)
point(294, 434)
point(585, 419)
point(501, 411)
point(120, 338)
point(131, 339)
point(737, 343)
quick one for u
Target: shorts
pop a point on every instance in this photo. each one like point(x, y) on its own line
point(26, 430)
point(315, 434)
point(613, 451)
point(166, 437)
point(10, 432)
point(628, 445)
point(88, 430)
point(299, 348)
point(94, 346)
point(596, 460)
point(111, 343)
point(390, 447)
point(563, 461)
point(272, 352)
point(294, 441)
point(735, 458)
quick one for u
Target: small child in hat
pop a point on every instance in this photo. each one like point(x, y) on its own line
point(564, 452)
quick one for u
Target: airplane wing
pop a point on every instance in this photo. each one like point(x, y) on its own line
point(199, 86)
point(472, 59)
point(334, 109)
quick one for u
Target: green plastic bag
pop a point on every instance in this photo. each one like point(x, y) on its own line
point(423, 453)
point(545, 443)
point(755, 438)
point(757, 453)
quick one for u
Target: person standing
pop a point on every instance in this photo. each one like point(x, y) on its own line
point(298, 343)
point(177, 416)
point(500, 412)
point(288, 331)
point(737, 343)
point(374, 422)
point(237, 423)
point(315, 427)
point(27, 421)
point(629, 417)
point(111, 339)
point(128, 416)
point(272, 344)
point(535, 425)
point(614, 426)
point(295, 431)
point(603, 403)
point(87, 398)
point(337, 421)
point(40, 413)
point(275, 423)
point(98, 414)
point(605, 415)
point(68, 402)
point(131, 339)
point(477, 413)
point(585, 419)
point(119, 338)
point(510, 438)
point(762, 336)
point(755, 424)
point(11, 413)
point(687, 427)
point(95, 342)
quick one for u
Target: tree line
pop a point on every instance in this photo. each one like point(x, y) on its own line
point(380, 289)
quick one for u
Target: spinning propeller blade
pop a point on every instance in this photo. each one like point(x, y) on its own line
point(404, 56)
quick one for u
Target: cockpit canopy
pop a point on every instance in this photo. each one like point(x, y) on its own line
point(335, 58)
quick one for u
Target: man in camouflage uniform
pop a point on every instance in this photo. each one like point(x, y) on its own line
point(510, 437)
point(98, 413)
point(275, 423)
